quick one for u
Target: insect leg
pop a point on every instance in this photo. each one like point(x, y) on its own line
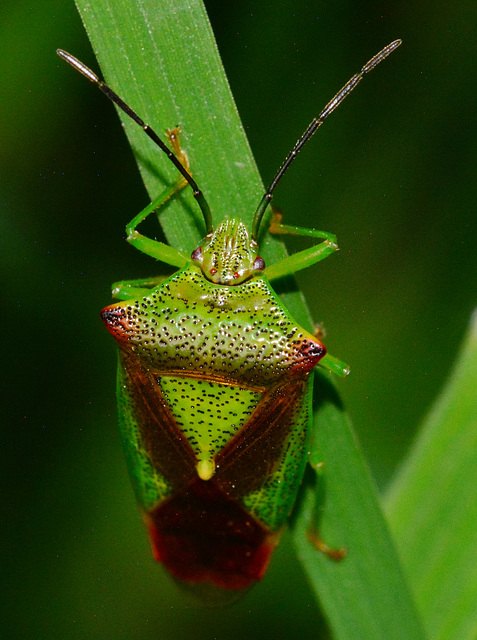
point(154, 248)
point(302, 259)
point(334, 365)
point(127, 289)
point(314, 536)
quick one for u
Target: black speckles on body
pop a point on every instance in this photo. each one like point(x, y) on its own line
point(209, 414)
point(196, 328)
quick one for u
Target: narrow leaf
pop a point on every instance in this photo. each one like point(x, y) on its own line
point(365, 595)
point(432, 506)
point(162, 60)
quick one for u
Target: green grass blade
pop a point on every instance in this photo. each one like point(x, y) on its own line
point(432, 506)
point(162, 59)
point(364, 595)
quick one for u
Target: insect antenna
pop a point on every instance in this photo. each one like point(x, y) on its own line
point(198, 195)
point(313, 126)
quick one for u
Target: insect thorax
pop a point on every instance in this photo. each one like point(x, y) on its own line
point(239, 335)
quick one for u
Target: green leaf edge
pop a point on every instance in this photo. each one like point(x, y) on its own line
point(432, 509)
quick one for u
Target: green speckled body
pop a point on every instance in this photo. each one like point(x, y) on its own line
point(214, 383)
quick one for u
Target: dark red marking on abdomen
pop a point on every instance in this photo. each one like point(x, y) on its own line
point(203, 536)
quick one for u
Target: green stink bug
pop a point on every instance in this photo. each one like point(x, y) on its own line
point(215, 382)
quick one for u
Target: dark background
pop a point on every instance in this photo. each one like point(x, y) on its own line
point(392, 173)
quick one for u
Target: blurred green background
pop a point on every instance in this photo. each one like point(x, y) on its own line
point(391, 173)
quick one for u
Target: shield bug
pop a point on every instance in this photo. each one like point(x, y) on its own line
point(215, 383)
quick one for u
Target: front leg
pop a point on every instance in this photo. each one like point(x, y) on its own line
point(302, 259)
point(128, 289)
point(160, 250)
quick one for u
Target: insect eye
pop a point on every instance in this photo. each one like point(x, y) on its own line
point(196, 255)
point(259, 264)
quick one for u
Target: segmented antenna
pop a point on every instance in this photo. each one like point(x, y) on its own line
point(313, 126)
point(198, 195)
